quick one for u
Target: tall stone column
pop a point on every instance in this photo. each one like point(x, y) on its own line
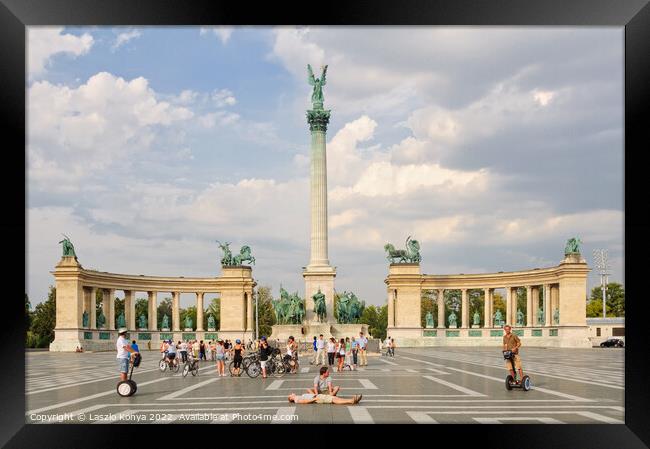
point(199, 311)
point(176, 305)
point(464, 308)
point(441, 308)
point(487, 307)
point(547, 304)
point(535, 293)
point(318, 274)
point(153, 311)
point(508, 305)
point(93, 308)
point(250, 323)
point(108, 303)
point(391, 307)
point(129, 309)
point(529, 306)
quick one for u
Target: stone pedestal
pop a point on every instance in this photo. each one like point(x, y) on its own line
point(319, 277)
point(164, 329)
point(475, 326)
point(188, 329)
point(212, 329)
point(453, 326)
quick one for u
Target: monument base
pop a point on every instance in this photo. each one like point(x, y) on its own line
point(475, 326)
point(164, 329)
point(307, 331)
point(188, 329)
point(212, 329)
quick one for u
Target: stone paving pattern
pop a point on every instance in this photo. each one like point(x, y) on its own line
point(418, 385)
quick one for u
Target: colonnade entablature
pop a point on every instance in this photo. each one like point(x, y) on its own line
point(76, 311)
point(554, 306)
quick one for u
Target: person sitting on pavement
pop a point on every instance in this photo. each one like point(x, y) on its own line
point(323, 383)
point(309, 398)
point(512, 343)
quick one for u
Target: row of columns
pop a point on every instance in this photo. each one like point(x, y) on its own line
point(550, 298)
point(108, 309)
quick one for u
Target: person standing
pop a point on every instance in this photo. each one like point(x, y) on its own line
point(348, 354)
point(340, 354)
point(182, 348)
point(331, 350)
point(392, 347)
point(265, 353)
point(292, 354)
point(355, 352)
point(208, 350)
point(363, 347)
point(320, 346)
point(238, 357)
point(148, 345)
point(195, 349)
point(202, 351)
point(313, 357)
point(124, 351)
point(134, 346)
point(221, 358)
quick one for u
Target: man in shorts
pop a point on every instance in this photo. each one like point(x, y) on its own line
point(309, 398)
point(171, 352)
point(123, 349)
point(323, 384)
point(512, 343)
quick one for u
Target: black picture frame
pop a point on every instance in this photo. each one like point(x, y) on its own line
point(634, 15)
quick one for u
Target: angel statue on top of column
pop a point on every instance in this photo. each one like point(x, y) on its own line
point(317, 94)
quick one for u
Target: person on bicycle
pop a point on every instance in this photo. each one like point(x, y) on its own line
point(512, 343)
point(292, 353)
point(171, 353)
point(238, 351)
point(265, 353)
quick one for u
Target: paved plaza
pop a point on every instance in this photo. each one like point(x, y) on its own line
point(423, 385)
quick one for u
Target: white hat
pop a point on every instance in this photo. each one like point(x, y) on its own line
point(122, 330)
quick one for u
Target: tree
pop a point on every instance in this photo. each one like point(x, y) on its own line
point(382, 324)
point(476, 303)
point(141, 308)
point(164, 308)
point(118, 305)
point(266, 314)
point(28, 312)
point(371, 318)
point(44, 321)
point(614, 301)
point(191, 312)
point(499, 304)
point(522, 300)
point(213, 309)
point(428, 303)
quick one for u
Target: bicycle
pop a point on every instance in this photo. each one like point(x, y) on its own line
point(166, 363)
point(191, 365)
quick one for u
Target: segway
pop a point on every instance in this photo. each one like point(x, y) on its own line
point(511, 382)
point(128, 387)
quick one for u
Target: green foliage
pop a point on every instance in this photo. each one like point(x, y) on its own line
point(521, 299)
point(191, 311)
point(141, 308)
point(28, 312)
point(476, 299)
point(429, 303)
point(213, 309)
point(614, 301)
point(498, 304)
point(118, 305)
point(164, 308)
point(382, 324)
point(43, 321)
point(266, 315)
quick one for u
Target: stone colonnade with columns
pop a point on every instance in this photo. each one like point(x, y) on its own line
point(559, 291)
point(76, 290)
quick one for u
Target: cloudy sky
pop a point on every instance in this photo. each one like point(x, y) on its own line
point(491, 146)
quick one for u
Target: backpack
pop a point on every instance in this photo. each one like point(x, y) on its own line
point(137, 359)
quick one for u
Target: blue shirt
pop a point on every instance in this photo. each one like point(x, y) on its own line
point(135, 347)
point(355, 344)
point(315, 349)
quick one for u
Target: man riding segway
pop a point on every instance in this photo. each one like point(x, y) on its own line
point(511, 345)
point(127, 357)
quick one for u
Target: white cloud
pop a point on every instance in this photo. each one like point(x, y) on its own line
point(222, 32)
point(45, 42)
point(75, 131)
point(125, 37)
point(223, 97)
point(543, 97)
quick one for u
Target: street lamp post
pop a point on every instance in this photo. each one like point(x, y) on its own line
point(257, 317)
point(600, 257)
